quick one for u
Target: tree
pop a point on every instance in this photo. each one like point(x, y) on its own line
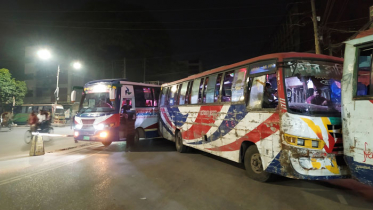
point(9, 88)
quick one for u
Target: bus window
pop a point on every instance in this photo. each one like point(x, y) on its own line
point(238, 85)
point(156, 96)
point(172, 95)
point(200, 90)
point(227, 86)
point(188, 96)
point(164, 96)
point(211, 89)
point(195, 91)
point(256, 94)
point(270, 92)
point(205, 90)
point(364, 73)
point(183, 92)
point(143, 96)
point(217, 87)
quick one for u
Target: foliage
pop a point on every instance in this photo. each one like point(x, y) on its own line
point(10, 87)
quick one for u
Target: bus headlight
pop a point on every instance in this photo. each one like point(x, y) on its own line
point(304, 142)
point(103, 134)
point(76, 133)
point(78, 126)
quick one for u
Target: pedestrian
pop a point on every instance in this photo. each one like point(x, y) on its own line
point(32, 121)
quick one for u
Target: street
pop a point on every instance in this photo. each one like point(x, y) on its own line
point(151, 176)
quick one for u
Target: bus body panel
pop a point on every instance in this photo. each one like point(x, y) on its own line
point(357, 118)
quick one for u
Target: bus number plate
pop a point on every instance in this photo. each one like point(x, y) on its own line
point(86, 138)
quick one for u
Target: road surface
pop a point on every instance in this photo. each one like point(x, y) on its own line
point(155, 176)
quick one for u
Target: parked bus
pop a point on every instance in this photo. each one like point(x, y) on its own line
point(117, 110)
point(21, 113)
point(276, 114)
point(357, 100)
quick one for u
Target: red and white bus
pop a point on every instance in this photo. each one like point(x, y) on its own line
point(117, 110)
point(276, 114)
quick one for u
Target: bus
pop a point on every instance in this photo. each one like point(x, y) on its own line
point(116, 110)
point(278, 114)
point(357, 100)
point(21, 113)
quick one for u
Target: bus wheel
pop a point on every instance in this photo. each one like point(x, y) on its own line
point(180, 147)
point(254, 167)
point(106, 143)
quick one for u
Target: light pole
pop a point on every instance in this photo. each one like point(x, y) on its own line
point(45, 55)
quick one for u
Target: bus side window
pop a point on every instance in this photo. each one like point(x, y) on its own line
point(201, 85)
point(205, 90)
point(172, 95)
point(210, 92)
point(364, 73)
point(164, 96)
point(256, 93)
point(238, 85)
point(156, 96)
point(227, 86)
point(188, 96)
point(195, 91)
point(183, 91)
point(249, 84)
point(270, 92)
point(217, 88)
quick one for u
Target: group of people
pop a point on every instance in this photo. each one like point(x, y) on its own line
point(41, 120)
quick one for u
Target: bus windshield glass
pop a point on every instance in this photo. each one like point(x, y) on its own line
point(313, 87)
point(96, 102)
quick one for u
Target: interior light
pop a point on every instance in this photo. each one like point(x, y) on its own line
point(309, 83)
point(99, 88)
point(174, 88)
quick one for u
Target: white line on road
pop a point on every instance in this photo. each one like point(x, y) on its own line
point(342, 199)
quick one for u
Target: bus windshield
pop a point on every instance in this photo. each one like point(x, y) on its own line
point(313, 87)
point(96, 102)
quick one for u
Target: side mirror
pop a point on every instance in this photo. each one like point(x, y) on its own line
point(73, 96)
point(112, 94)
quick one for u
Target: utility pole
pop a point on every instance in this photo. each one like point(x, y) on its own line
point(316, 33)
point(124, 68)
point(144, 68)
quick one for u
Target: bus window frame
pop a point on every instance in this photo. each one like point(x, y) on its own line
point(355, 73)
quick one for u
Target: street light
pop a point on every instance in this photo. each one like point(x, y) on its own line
point(77, 65)
point(44, 54)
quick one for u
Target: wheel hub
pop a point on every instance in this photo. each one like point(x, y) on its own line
point(256, 163)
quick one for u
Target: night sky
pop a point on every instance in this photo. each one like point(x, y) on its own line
point(216, 33)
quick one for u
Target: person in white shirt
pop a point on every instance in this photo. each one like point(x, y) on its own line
point(41, 116)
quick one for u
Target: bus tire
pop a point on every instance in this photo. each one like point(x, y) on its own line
point(106, 143)
point(254, 167)
point(180, 147)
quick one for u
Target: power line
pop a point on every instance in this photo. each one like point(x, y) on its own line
point(144, 29)
point(138, 11)
point(190, 21)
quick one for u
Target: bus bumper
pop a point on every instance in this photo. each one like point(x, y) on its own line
point(96, 135)
point(314, 166)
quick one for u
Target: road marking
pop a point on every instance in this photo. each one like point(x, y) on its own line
point(342, 199)
point(16, 178)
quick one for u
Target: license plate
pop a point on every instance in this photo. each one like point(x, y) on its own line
point(85, 137)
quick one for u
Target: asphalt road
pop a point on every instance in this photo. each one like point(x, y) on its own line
point(155, 176)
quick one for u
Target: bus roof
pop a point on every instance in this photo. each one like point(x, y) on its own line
point(252, 60)
point(120, 81)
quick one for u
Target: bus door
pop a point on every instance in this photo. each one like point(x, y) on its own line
point(127, 112)
point(262, 103)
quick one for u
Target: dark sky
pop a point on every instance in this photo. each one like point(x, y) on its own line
point(217, 33)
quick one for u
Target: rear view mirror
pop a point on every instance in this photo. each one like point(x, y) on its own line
point(73, 96)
